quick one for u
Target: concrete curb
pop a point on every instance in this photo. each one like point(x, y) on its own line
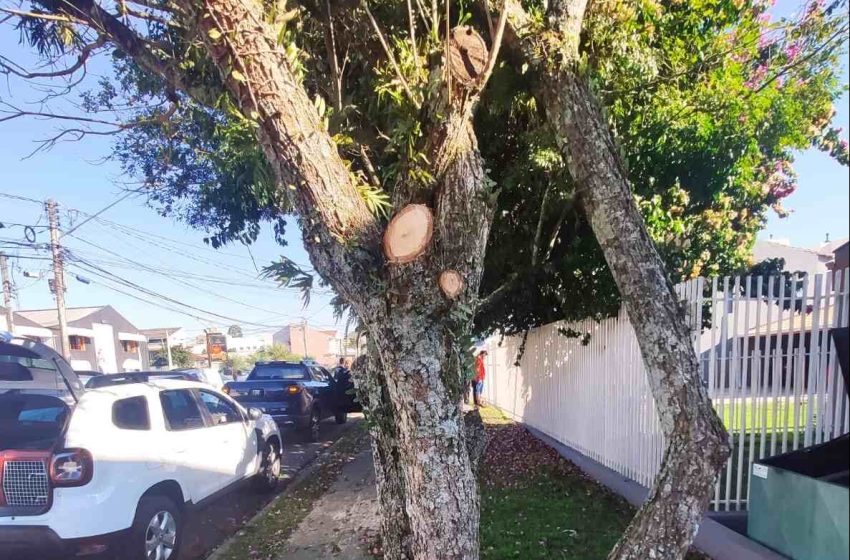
point(713, 538)
point(306, 472)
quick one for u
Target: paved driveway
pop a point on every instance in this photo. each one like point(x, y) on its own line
point(223, 517)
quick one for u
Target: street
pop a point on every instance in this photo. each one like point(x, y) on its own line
point(210, 526)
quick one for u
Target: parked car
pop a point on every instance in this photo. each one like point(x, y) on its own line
point(86, 472)
point(299, 393)
point(110, 379)
point(86, 375)
point(210, 377)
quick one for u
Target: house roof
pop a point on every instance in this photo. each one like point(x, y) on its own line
point(19, 319)
point(48, 318)
point(160, 332)
point(828, 249)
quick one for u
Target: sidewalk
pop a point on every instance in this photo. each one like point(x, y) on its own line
point(344, 521)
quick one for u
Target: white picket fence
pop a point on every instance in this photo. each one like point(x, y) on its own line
point(771, 372)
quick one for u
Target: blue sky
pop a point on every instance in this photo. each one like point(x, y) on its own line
point(75, 175)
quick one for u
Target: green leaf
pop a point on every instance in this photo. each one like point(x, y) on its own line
point(214, 34)
point(239, 76)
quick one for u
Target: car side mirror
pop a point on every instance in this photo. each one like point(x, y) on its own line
point(255, 413)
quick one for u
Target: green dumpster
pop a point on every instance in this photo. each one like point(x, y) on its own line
point(800, 502)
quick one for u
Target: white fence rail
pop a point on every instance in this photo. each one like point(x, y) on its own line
point(769, 364)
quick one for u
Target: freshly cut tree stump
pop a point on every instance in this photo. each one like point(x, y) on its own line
point(451, 282)
point(408, 233)
point(468, 55)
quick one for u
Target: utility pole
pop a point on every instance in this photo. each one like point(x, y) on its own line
point(168, 351)
point(304, 335)
point(7, 292)
point(58, 277)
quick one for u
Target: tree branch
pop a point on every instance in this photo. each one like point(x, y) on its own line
point(497, 44)
point(85, 53)
point(413, 98)
point(339, 232)
point(333, 60)
point(128, 41)
point(538, 233)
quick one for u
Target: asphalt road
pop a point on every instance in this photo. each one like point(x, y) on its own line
point(223, 517)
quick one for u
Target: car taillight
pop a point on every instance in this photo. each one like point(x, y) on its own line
point(293, 389)
point(226, 390)
point(71, 467)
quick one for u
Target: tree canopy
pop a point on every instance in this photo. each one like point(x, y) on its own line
point(709, 101)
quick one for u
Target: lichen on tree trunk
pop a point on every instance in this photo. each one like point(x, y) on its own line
point(696, 441)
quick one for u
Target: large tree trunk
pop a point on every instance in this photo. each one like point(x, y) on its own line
point(422, 453)
point(378, 409)
point(697, 443)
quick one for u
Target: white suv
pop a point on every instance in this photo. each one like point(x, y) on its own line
point(119, 467)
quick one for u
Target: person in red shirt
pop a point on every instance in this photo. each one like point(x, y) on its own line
point(478, 380)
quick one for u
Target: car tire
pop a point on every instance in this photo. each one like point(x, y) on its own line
point(157, 530)
point(266, 480)
point(315, 423)
point(341, 417)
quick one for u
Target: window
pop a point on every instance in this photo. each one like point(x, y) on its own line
point(131, 414)
point(78, 342)
point(319, 374)
point(221, 411)
point(278, 371)
point(46, 415)
point(181, 411)
point(30, 422)
point(130, 346)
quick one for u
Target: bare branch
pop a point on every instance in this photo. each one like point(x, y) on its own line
point(411, 21)
point(497, 44)
point(155, 6)
point(123, 9)
point(370, 168)
point(47, 17)
point(416, 102)
point(498, 293)
point(489, 15)
point(544, 204)
point(553, 238)
point(330, 47)
point(6, 65)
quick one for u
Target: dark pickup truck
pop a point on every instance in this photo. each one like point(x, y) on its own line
point(299, 393)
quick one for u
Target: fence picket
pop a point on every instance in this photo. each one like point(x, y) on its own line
point(814, 354)
point(769, 371)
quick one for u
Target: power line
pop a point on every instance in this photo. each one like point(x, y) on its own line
point(170, 272)
point(18, 197)
point(98, 213)
point(148, 301)
point(181, 282)
point(94, 269)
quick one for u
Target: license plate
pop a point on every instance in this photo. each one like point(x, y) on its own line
point(256, 392)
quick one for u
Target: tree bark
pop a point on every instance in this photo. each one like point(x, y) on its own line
point(378, 409)
point(422, 455)
point(697, 443)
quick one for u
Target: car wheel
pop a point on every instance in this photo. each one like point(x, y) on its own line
point(341, 417)
point(157, 530)
point(269, 474)
point(315, 421)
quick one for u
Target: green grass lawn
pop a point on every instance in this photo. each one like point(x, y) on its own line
point(550, 517)
point(536, 505)
point(778, 414)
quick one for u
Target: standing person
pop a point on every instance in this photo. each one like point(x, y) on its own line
point(341, 371)
point(478, 382)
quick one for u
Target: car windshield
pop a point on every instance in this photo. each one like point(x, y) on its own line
point(30, 421)
point(278, 371)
